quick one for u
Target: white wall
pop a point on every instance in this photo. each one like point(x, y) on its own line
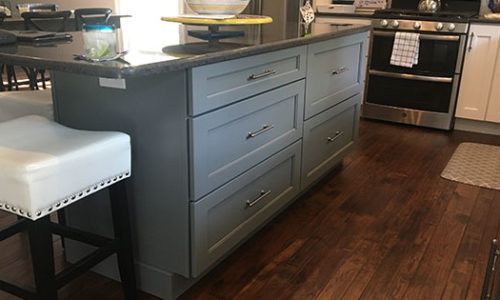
point(145, 27)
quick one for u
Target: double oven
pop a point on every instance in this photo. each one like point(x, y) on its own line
point(425, 94)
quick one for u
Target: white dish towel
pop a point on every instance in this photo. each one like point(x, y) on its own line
point(405, 49)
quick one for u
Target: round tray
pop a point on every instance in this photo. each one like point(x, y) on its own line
point(206, 20)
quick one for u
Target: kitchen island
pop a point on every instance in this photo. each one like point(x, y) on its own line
point(221, 141)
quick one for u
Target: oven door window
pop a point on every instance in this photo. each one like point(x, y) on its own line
point(436, 57)
point(407, 93)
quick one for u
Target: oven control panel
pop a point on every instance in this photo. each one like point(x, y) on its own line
point(413, 25)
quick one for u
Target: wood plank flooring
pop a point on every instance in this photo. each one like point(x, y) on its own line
point(383, 226)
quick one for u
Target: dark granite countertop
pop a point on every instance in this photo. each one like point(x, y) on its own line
point(168, 50)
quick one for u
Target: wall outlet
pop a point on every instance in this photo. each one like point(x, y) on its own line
point(114, 83)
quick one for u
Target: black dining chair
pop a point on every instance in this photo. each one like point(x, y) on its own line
point(43, 21)
point(7, 69)
point(98, 15)
point(491, 286)
point(35, 20)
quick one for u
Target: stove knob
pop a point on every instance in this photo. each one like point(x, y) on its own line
point(451, 27)
point(439, 26)
point(384, 23)
point(395, 24)
point(417, 25)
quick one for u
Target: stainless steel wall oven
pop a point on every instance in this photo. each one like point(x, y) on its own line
point(426, 93)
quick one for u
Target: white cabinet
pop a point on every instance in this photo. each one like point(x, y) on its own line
point(479, 96)
point(493, 109)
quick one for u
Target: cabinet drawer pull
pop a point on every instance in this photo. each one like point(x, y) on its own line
point(337, 135)
point(471, 40)
point(339, 71)
point(263, 74)
point(263, 194)
point(256, 133)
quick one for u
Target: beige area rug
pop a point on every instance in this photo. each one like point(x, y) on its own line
point(475, 164)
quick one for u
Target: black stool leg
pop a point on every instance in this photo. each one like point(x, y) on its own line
point(32, 75)
point(42, 256)
point(14, 78)
point(11, 78)
point(2, 87)
point(42, 76)
point(61, 220)
point(123, 232)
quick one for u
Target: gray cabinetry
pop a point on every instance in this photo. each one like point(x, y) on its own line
point(335, 72)
point(218, 150)
point(241, 153)
point(231, 140)
point(221, 219)
point(328, 137)
point(220, 84)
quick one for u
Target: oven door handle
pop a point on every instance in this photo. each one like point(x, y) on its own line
point(434, 37)
point(411, 76)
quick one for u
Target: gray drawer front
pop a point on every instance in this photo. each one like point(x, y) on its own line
point(223, 83)
point(220, 143)
point(328, 137)
point(335, 72)
point(221, 220)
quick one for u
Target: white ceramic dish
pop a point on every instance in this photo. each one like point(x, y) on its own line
point(217, 7)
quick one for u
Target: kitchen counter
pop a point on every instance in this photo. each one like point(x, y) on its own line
point(481, 19)
point(221, 141)
point(155, 60)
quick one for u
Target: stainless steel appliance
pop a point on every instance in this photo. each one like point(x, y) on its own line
point(429, 5)
point(285, 14)
point(425, 94)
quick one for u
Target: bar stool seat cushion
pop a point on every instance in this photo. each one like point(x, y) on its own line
point(45, 166)
point(22, 103)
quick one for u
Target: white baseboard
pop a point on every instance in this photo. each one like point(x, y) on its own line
point(477, 126)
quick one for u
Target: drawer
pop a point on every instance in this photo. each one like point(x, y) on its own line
point(226, 217)
point(328, 137)
point(219, 84)
point(231, 140)
point(335, 72)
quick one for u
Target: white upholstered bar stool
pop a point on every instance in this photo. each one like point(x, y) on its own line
point(17, 104)
point(44, 167)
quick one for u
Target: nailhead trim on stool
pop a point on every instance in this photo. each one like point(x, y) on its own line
point(67, 200)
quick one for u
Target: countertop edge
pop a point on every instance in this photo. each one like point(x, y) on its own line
point(112, 71)
point(196, 61)
point(485, 20)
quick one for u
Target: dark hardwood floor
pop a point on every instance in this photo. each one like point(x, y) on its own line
point(383, 226)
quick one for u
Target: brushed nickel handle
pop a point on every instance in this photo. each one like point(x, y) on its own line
point(471, 39)
point(262, 130)
point(263, 74)
point(434, 37)
point(339, 71)
point(336, 136)
point(411, 76)
point(263, 194)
